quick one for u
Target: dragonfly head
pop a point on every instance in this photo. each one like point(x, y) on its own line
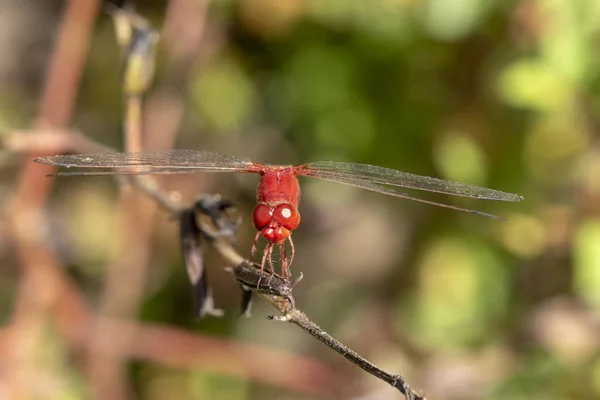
point(276, 222)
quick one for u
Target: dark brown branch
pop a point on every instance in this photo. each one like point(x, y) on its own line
point(251, 278)
point(299, 318)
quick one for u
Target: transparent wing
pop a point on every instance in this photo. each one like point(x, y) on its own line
point(161, 162)
point(387, 180)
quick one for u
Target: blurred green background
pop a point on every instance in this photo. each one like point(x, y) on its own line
point(503, 94)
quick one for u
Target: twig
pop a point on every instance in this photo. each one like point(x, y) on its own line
point(299, 318)
point(251, 278)
point(133, 124)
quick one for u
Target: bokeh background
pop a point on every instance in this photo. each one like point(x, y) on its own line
point(94, 298)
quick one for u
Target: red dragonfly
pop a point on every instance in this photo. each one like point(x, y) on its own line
point(278, 192)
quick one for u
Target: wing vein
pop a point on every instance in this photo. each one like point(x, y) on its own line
point(364, 176)
point(158, 162)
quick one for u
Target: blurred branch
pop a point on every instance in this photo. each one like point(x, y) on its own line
point(126, 275)
point(43, 284)
point(50, 141)
point(182, 349)
point(176, 348)
point(184, 42)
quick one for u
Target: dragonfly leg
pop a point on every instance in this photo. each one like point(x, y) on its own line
point(284, 264)
point(267, 252)
point(293, 250)
point(271, 258)
point(254, 244)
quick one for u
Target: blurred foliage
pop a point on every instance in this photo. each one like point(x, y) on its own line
point(498, 93)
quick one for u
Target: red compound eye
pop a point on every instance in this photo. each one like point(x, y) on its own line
point(287, 216)
point(261, 216)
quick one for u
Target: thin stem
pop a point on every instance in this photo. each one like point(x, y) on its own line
point(300, 319)
point(133, 124)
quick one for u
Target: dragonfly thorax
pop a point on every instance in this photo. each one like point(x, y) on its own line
point(276, 222)
point(278, 185)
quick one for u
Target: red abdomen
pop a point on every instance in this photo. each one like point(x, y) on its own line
point(278, 186)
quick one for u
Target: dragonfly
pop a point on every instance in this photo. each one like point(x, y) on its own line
point(278, 191)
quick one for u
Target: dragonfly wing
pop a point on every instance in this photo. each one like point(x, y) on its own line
point(394, 191)
point(161, 162)
point(387, 180)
